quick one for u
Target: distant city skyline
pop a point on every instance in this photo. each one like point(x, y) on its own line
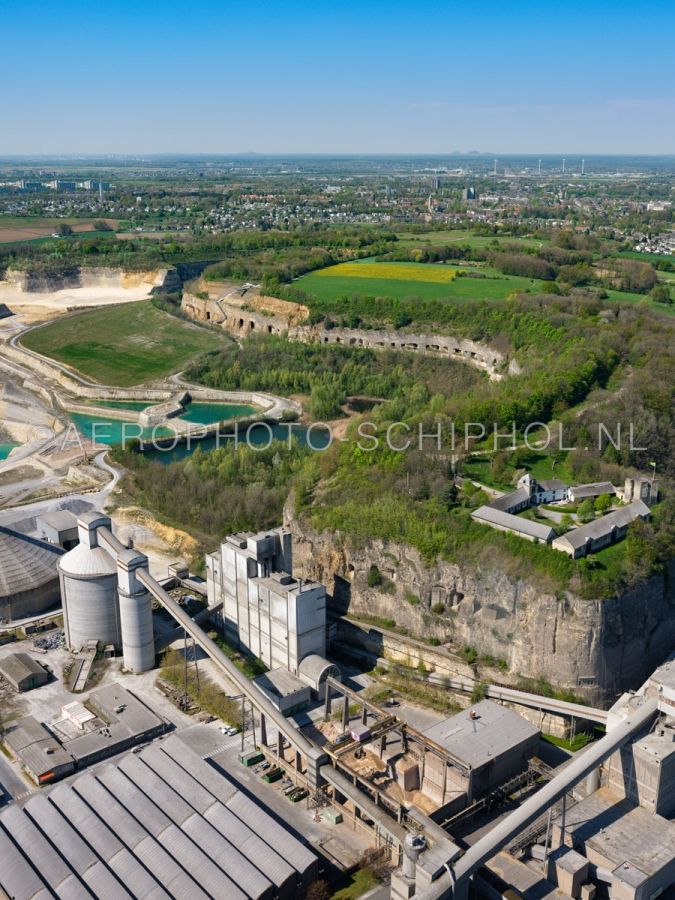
point(289, 78)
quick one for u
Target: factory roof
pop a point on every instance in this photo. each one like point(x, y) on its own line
point(87, 562)
point(158, 824)
point(59, 519)
point(619, 518)
point(25, 563)
point(35, 747)
point(490, 516)
point(279, 682)
point(477, 741)
point(104, 720)
point(622, 833)
point(18, 666)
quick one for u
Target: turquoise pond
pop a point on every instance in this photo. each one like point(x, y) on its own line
point(113, 431)
point(6, 449)
point(198, 413)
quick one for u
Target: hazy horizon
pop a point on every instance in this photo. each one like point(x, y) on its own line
point(387, 79)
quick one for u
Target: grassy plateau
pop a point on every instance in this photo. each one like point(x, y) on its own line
point(123, 345)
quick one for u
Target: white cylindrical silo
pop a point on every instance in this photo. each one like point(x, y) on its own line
point(138, 639)
point(88, 577)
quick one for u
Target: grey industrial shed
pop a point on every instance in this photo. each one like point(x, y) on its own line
point(29, 581)
point(156, 824)
point(23, 672)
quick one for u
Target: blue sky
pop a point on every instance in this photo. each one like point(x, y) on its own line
point(369, 77)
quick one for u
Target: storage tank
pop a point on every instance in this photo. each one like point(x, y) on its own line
point(138, 639)
point(88, 576)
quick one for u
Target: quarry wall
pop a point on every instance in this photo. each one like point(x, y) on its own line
point(595, 648)
point(240, 320)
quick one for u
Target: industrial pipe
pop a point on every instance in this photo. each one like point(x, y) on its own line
point(456, 883)
point(314, 757)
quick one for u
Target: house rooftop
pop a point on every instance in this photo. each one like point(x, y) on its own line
point(593, 489)
point(511, 500)
point(491, 516)
point(619, 518)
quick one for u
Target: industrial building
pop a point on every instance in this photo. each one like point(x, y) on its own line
point(59, 527)
point(494, 742)
point(265, 610)
point(158, 824)
point(103, 600)
point(29, 581)
point(108, 721)
point(23, 672)
point(288, 693)
point(37, 751)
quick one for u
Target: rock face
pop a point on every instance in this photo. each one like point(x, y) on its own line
point(238, 321)
point(595, 648)
point(96, 276)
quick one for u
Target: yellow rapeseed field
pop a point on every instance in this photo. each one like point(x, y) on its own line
point(392, 271)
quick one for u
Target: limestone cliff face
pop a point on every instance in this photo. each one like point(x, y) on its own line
point(96, 276)
point(596, 648)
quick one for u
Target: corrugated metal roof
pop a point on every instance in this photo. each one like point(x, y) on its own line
point(25, 563)
point(239, 869)
point(162, 795)
point(168, 769)
point(274, 834)
point(62, 835)
point(52, 868)
point(162, 865)
point(270, 863)
point(188, 854)
point(110, 810)
point(146, 827)
point(106, 844)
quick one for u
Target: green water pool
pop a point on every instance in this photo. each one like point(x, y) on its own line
point(113, 431)
point(6, 449)
point(197, 412)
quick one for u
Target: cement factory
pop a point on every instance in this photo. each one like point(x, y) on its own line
point(110, 788)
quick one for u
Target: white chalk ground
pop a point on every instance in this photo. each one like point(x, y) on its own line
point(36, 307)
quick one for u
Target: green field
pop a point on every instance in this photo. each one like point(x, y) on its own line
point(463, 237)
point(123, 345)
point(493, 286)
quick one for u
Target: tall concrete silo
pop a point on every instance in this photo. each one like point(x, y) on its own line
point(138, 639)
point(88, 576)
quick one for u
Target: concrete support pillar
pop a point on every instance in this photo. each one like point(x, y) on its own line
point(383, 744)
point(328, 708)
point(280, 744)
point(298, 761)
point(263, 731)
point(364, 715)
point(469, 787)
point(345, 713)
